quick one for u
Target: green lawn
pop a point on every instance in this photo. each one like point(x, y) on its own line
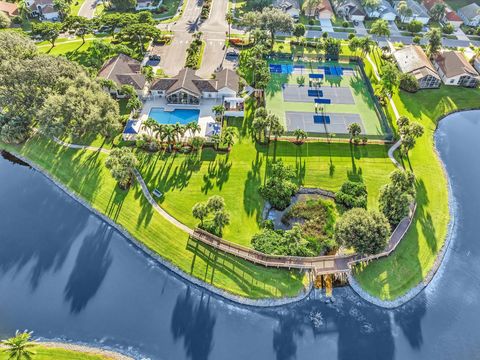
point(187, 179)
point(46, 353)
point(75, 7)
point(394, 276)
point(85, 174)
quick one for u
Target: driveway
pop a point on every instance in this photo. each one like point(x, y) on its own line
point(326, 25)
point(360, 29)
point(88, 9)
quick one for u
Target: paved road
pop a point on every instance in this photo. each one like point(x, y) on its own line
point(88, 9)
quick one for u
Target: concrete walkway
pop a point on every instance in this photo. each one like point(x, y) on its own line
point(88, 9)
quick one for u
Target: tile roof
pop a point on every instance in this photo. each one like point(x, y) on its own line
point(453, 63)
point(470, 11)
point(451, 15)
point(11, 9)
point(124, 71)
point(412, 59)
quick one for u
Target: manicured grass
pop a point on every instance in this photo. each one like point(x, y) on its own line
point(47, 353)
point(364, 105)
point(75, 7)
point(408, 265)
point(187, 179)
point(84, 173)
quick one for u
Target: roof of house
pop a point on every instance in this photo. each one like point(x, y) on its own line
point(187, 80)
point(417, 9)
point(451, 15)
point(453, 63)
point(354, 5)
point(286, 4)
point(124, 71)
point(325, 7)
point(430, 3)
point(470, 11)
point(11, 9)
point(412, 59)
point(49, 9)
point(383, 8)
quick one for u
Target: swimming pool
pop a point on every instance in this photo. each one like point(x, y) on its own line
point(181, 116)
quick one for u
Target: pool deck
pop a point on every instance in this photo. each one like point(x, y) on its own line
point(206, 114)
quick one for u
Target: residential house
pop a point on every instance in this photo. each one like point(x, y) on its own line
point(454, 69)
point(470, 14)
point(419, 12)
point(413, 60)
point(383, 11)
point(349, 9)
point(42, 9)
point(476, 64)
point(291, 7)
point(324, 10)
point(123, 70)
point(189, 89)
point(450, 16)
point(9, 9)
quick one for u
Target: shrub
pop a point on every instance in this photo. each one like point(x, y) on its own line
point(448, 29)
point(366, 231)
point(121, 162)
point(417, 39)
point(279, 188)
point(409, 83)
point(395, 198)
point(279, 242)
point(345, 24)
point(352, 195)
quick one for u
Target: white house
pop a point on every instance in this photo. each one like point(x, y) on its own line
point(123, 70)
point(291, 7)
point(349, 9)
point(470, 14)
point(189, 89)
point(454, 69)
point(42, 9)
point(419, 12)
point(383, 11)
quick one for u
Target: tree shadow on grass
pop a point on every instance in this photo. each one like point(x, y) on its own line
point(355, 174)
point(115, 202)
point(253, 203)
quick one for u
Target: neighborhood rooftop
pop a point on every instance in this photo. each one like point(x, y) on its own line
point(123, 70)
point(453, 63)
point(412, 59)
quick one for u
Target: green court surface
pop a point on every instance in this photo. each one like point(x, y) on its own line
point(336, 88)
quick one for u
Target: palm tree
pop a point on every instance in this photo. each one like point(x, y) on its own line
point(159, 131)
point(194, 128)
point(149, 126)
point(380, 28)
point(229, 19)
point(218, 110)
point(228, 136)
point(276, 128)
point(215, 139)
point(169, 135)
point(319, 46)
point(18, 347)
point(366, 44)
point(300, 135)
point(133, 104)
point(179, 131)
point(259, 126)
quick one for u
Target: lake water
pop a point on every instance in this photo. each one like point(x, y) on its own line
point(66, 274)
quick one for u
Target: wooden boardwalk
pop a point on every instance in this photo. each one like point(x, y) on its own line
point(320, 265)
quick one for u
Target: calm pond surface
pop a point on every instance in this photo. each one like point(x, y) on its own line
point(65, 274)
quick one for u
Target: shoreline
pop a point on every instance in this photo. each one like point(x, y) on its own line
point(275, 302)
point(271, 302)
point(442, 253)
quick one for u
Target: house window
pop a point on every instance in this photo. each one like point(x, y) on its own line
point(452, 81)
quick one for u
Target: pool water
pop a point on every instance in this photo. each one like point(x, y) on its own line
point(181, 116)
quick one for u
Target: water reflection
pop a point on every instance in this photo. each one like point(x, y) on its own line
point(65, 273)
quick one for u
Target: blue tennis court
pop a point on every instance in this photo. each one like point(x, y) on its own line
point(284, 68)
point(323, 101)
point(315, 76)
point(315, 93)
point(321, 119)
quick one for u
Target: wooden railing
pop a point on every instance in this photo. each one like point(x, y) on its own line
point(328, 264)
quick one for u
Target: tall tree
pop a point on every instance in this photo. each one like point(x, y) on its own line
point(366, 231)
point(122, 162)
point(309, 7)
point(437, 11)
point(275, 20)
point(229, 20)
point(47, 31)
point(404, 10)
point(139, 34)
point(81, 25)
point(380, 27)
point(434, 37)
point(124, 4)
point(390, 78)
point(4, 20)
